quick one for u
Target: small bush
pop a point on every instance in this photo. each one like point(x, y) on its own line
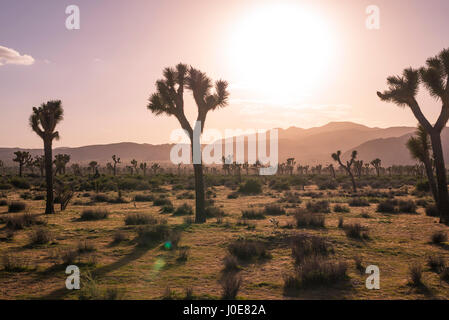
point(3, 203)
point(162, 202)
point(233, 195)
point(321, 206)
point(248, 249)
point(386, 206)
point(167, 209)
point(214, 212)
point(230, 264)
point(143, 198)
point(183, 210)
point(340, 208)
point(415, 273)
point(94, 214)
point(151, 235)
point(356, 231)
point(140, 218)
point(274, 210)
point(305, 246)
point(407, 206)
point(251, 186)
point(252, 214)
point(69, 256)
point(230, 282)
point(18, 222)
point(85, 247)
point(183, 254)
point(100, 198)
point(439, 237)
point(306, 219)
point(358, 264)
point(41, 236)
point(16, 206)
point(358, 202)
point(12, 263)
point(341, 222)
point(436, 263)
point(432, 211)
point(20, 183)
point(317, 271)
point(119, 236)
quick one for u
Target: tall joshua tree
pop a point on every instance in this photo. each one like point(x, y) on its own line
point(116, 160)
point(403, 90)
point(336, 156)
point(60, 162)
point(23, 158)
point(43, 121)
point(169, 100)
point(419, 148)
point(376, 163)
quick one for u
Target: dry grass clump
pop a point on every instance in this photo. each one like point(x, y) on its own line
point(94, 214)
point(246, 250)
point(306, 219)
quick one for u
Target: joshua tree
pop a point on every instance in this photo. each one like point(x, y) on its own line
point(134, 165)
point(2, 167)
point(376, 163)
point(347, 167)
point(290, 165)
point(169, 100)
point(109, 168)
point(64, 193)
point(43, 120)
point(403, 90)
point(23, 158)
point(332, 170)
point(116, 160)
point(60, 162)
point(39, 162)
point(76, 169)
point(143, 167)
point(358, 165)
point(419, 147)
point(155, 167)
point(93, 165)
point(245, 166)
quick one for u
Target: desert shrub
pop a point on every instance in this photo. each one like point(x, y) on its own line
point(5, 186)
point(432, 211)
point(248, 249)
point(358, 202)
point(422, 186)
point(167, 209)
point(119, 236)
point(436, 263)
point(252, 214)
point(16, 206)
point(214, 212)
point(304, 246)
point(439, 237)
point(407, 206)
point(291, 197)
point(317, 271)
point(386, 206)
point(183, 254)
point(230, 283)
point(85, 247)
point(230, 264)
point(18, 222)
point(183, 210)
point(3, 203)
point(40, 236)
point(356, 231)
point(340, 208)
point(20, 183)
point(162, 202)
point(415, 274)
point(143, 198)
point(26, 196)
point(94, 214)
point(359, 265)
point(38, 197)
point(422, 203)
point(251, 186)
point(12, 263)
point(153, 234)
point(274, 210)
point(340, 222)
point(100, 197)
point(69, 255)
point(140, 218)
point(279, 185)
point(306, 219)
point(327, 185)
point(186, 195)
point(233, 195)
point(321, 206)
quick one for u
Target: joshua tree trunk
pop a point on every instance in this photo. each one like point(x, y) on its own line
point(443, 201)
point(200, 215)
point(49, 209)
point(431, 178)
point(354, 186)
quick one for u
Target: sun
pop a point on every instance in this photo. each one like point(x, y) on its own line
point(281, 52)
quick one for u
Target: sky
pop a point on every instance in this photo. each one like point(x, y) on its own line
point(288, 63)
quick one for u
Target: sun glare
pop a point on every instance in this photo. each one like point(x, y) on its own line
point(281, 52)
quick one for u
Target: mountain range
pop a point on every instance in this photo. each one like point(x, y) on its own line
point(308, 146)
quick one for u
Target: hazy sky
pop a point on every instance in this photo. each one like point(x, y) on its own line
point(288, 63)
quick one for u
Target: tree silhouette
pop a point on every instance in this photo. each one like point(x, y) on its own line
point(336, 156)
point(2, 167)
point(39, 162)
point(376, 163)
point(60, 162)
point(134, 166)
point(143, 167)
point(403, 90)
point(419, 147)
point(116, 161)
point(169, 100)
point(23, 158)
point(155, 167)
point(93, 165)
point(43, 121)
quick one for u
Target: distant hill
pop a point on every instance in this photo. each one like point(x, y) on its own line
point(307, 146)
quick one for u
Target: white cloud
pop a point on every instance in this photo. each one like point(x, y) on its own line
point(11, 56)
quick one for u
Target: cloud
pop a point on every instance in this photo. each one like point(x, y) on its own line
point(11, 56)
